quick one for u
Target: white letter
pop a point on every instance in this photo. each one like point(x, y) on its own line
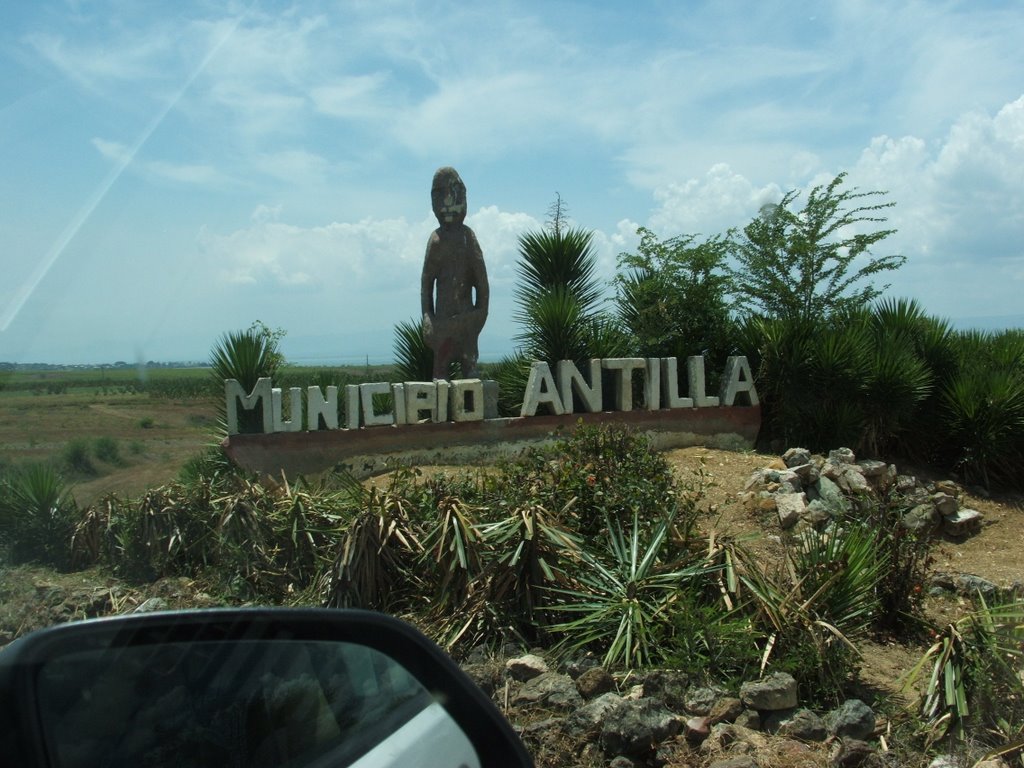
point(370, 417)
point(234, 393)
point(670, 384)
point(352, 406)
point(738, 379)
point(294, 423)
point(317, 405)
point(571, 380)
point(420, 396)
point(540, 388)
point(695, 371)
point(467, 400)
point(624, 386)
point(652, 384)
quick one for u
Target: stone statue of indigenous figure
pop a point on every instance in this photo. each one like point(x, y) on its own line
point(454, 293)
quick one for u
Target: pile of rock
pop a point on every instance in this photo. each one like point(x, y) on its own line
point(809, 491)
point(661, 716)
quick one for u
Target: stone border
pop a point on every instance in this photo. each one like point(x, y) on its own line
point(369, 451)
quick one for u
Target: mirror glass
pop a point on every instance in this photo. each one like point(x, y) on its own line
point(242, 703)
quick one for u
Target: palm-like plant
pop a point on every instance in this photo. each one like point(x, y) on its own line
point(245, 356)
point(624, 602)
point(414, 360)
point(37, 515)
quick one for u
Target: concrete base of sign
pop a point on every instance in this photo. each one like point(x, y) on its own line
point(366, 452)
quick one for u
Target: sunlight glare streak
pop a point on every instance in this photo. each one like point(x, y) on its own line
point(24, 293)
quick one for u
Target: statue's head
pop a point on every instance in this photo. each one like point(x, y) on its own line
point(448, 197)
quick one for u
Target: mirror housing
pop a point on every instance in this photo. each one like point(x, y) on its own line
point(90, 662)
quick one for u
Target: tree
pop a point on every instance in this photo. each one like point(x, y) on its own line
point(672, 296)
point(809, 264)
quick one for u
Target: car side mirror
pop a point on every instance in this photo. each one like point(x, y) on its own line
point(253, 687)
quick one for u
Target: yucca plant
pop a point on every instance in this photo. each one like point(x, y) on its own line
point(375, 564)
point(529, 549)
point(245, 356)
point(826, 600)
point(37, 515)
point(414, 360)
point(974, 683)
point(623, 598)
point(984, 416)
point(453, 546)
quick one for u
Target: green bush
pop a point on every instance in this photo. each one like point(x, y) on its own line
point(37, 516)
point(108, 450)
point(77, 457)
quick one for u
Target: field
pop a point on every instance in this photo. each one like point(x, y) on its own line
point(121, 429)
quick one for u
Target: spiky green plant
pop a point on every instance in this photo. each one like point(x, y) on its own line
point(974, 682)
point(37, 515)
point(825, 600)
point(624, 599)
point(414, 360)
point(245, 356)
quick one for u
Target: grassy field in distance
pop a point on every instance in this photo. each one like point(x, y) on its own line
point(156, 420)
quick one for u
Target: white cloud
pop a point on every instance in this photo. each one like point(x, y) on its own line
point(183, 173)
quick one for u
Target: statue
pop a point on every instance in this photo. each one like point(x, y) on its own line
point(454, 313)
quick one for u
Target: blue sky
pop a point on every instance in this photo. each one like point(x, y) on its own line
point(171, 171)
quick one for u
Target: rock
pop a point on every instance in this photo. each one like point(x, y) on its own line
point(871, 468)
point(749, 719)
point(791, 507)
point(945, 504)
point(551, 690)
point(944, 761)
point(969, 586)
point(795, 457)
point(526, 667)
point(594, 682)
point(799, 724)
point(852, 719)
point(777, 691)
point(621, 761)
point(577, 667)
point(587, 721)
point(815, 516)
point(669, 686)
point(542, 727)
point(921, 518)
point(726, 710)
point(700, 700)
point(948, 487)
point(808, 474)
point(964, 522)
point(906, 484)
point(853, 753)
point(486, 675)
point(852, 481)
point(696, 729)
point(635, 693)
point(832, 497)
point(637, 727)
point(841, 456)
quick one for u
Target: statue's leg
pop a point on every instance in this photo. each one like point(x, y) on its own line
point(444, 353)
point(469, 359)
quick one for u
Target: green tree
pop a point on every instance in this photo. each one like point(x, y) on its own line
point(812, 263)
point(672, 296)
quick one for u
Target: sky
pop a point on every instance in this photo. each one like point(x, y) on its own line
point(173, 171)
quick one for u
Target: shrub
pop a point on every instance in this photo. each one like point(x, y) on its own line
point(107, 449)
point(77, 458)
point(37, 516)
point(611, 472)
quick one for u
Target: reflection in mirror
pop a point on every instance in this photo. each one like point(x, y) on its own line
point(242, 703)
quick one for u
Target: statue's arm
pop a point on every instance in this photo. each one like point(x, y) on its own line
point(480, 284)
point(428, 278)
